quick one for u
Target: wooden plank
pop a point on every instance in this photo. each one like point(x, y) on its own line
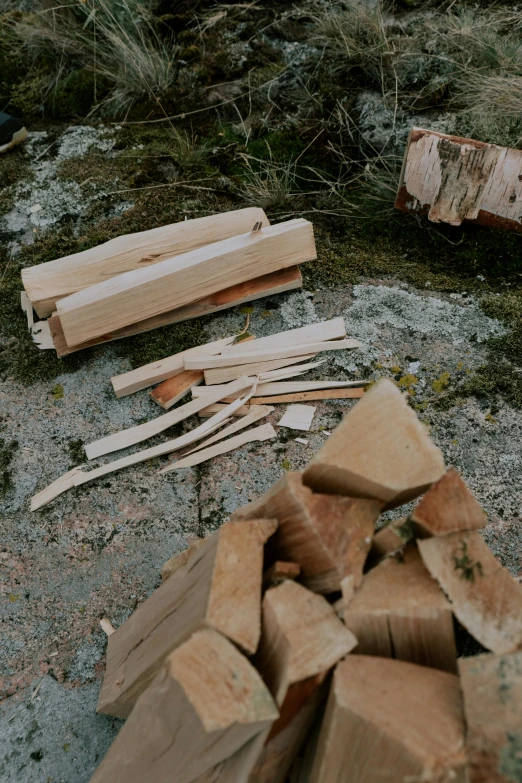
point(492, 690)
point(275, 388)
point(51, 492)
point(311, 396)
point(485, 598)
point(399, 611)
point(47, 283)
point(334, 329)
point(213, 409)
point(454, 180)
point(156, 372)
point(298, 417)
point(255, 413)
point(177, 561)
point(416, 730)
point(132, 435)
point(206, 702)
point(288, 372)
point(329, 536)
point(218, 588)
point(265, 355)
point(186, 278)
point(174, 389)
point(379, 450)
point(279, 571)
point(448, 507)
point(267, 285)
point(225, 374)
point(264, 432)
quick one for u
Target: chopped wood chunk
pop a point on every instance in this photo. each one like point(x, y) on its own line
point(492, 689)
point(485, 598)
point(391, 720)
point(205, 703)
point(180, 559)
point(379, 450)
point(173, 389)
point(279, 571)
point(298, 417)
point(448, 507)
point(390, 539)
point(329, 536)
point(176, 282)
point(399, 611)
point(219, 588)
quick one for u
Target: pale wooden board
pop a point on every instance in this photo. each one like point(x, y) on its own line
point(255, 413)
point(225, 374)
point(298, 417)
point(267, 285)
point(264, 432)
point(276, 388)
point(256, 356)
point(184, 279)
point(46, 283)
point(452, 179)
point(155, 372)
point(334, 329)
point(174, 389)
point(311, 396)
point(51, 492)
point(128, 437)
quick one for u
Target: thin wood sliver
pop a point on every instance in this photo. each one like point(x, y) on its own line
point(197, 363)
point(51, 492)
point(310, 396)
point(256, 412)
point(225, 374)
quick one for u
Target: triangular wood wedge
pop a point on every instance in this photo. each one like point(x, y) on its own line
point(205, 703)
point(492, 689)
point(399, 611)
point(219, 588)
point(448, 507)
point(379, 450)
point(485, 598)
point(329, 536)
point(55, 489)
point(391, 720)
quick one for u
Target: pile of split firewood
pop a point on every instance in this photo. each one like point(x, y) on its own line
point(243, 377)
point(294, 643)
point(138, 282)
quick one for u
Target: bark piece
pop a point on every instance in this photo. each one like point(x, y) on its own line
point(329, 536)
point(492, 690)
point(379, 450)
point(267, 285)
point(219, 588)
point(399, 611)
point(176, 282)
point(205, 703)
point(485, 598)
point(454, 180)
point(448, 507)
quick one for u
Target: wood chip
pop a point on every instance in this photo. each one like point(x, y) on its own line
point(51, 492)
point(448, 507)
point(255, 413)
point(298, 417)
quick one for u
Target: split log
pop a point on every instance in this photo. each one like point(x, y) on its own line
point(47, 283)
point(485, 598)
point(448, 507)
point(267, 285)
point(219, 588)
point(454, 180)
point(390, 720)
point(205, 703)
point(399, 611)
point(492, 690)
point(379, 450)
point(329, 536)
point(178, 281)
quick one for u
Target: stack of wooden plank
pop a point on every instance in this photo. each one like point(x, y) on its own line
point(296, 641)
point(139, 282)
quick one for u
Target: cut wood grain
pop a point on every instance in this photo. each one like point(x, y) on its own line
point(301, 640)
point(128, 437)
point(269, 354)
point(390, 539)
point(267, 285)
point(448, 507)
point(310, 396)
point(47, 283)
point(186, 278)
point(455, 180)
point(274, 388)
point(255, 413)
point(329, 536)
point(399, 611)
point(298, 417)
point(225, 374)
point(264, 432)
point(219, 588)
point(379, 450)
point(180, 559)
point(174, 389)
point(492, 690)
point(391, 720)
point(485, 598)
point(155, 372)
point(205, 703)
point(279, 571)
point(55, 489)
